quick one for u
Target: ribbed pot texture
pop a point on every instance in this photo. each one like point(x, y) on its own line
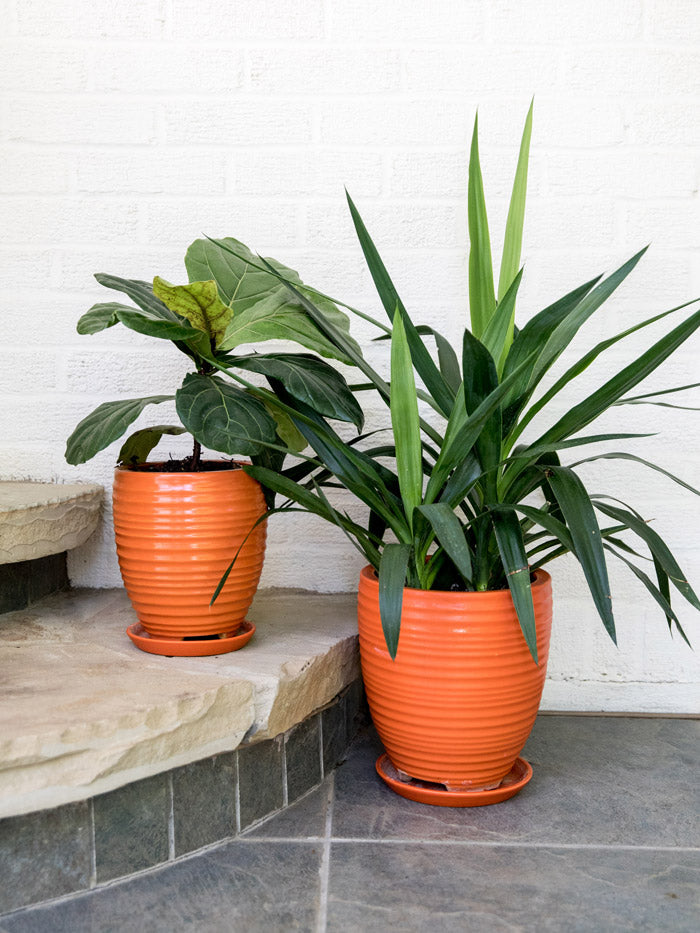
point(458, 703)
point(176, 534)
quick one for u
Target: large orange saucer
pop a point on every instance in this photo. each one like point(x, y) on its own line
point(190, 647)
point(438, 796)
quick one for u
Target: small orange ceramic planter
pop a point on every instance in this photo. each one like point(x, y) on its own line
point(459, 701)
point(176, 534)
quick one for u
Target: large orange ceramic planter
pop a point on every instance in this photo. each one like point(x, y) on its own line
point(458, 703)
point(176, 534)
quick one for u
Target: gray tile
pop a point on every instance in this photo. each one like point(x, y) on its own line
point(335, 734)
point(303, 758)
point(356, 709)
point(305, 819)
point(259, 780)
point(597, 780)
point(44, 855)
point(252, 887)
point(482, 889)
point(131, 828)
point(204, 802)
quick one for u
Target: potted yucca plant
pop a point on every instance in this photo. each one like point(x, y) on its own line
point(177, 521)
point(464, 514)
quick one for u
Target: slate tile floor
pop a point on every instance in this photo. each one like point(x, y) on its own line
point(605, 838)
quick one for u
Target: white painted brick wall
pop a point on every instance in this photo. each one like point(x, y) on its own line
point(127, 129)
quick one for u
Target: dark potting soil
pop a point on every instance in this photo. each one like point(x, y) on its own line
point(185, 466)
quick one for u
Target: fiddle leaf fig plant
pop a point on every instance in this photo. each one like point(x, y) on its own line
point(206, 319)
point(461, 500)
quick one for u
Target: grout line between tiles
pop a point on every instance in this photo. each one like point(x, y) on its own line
point(326, 860)
point(171, 818)
point(480, 844)
point(93, 845)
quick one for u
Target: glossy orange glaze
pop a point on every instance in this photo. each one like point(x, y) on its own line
point(458, 703)
point(176, 534)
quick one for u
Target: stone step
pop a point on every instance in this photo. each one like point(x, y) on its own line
point(83, 711)
point(39, 519)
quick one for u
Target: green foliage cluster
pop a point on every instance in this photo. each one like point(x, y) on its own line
point(226, 304)
point(462, 501)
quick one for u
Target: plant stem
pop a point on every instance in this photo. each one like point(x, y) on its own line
point(196, 456)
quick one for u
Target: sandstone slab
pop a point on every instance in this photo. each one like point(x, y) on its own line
point(38, 519)
point(83, 711)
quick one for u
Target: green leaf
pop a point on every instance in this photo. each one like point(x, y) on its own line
point(106, 424)
point(511, 547)
point(262, 306)
point(641, 576)
point(530, 341)
point(621, 455)
point(482, 298)
point(510, 261)
point(100, 317)
point(405, 421)
point(657, 546)
point(392, 580)
point(152, 317)
point(289, 434)
point(450, 533)
point(581, 365)
point(138, 446)
point(599, 401)
point(310, 380)
point(498, 335)
point(223, 417)
point(425, 366)
point(480, 381)
point(199, 303)
point(580, 518)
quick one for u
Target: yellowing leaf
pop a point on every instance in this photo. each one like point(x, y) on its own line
point(199, 303)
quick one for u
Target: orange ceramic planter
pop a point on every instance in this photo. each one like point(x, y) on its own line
point(458, 703)
point(176, 534)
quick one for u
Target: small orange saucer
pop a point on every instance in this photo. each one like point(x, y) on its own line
point(438, 796)
point(190, 647)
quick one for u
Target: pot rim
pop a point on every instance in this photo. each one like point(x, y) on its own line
point(238, 464)
point(369, 575)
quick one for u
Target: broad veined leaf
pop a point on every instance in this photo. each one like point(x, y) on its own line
point(100, 317)
point(482, 297)
point(263, 308)
point(309, 379)
point(289, 433)
point(138, 446)
point(199, 303)
point(222, 416)
point(512, 245)
point(106, 424)
point(392, 580)
point(152, 317)
point(405, 421)
point(511, 547)
point(423, 362)
point(656, 544)
point(581, 521)
point(450, 533)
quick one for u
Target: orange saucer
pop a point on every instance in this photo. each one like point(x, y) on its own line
point(190, 647)
point(438, 796)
